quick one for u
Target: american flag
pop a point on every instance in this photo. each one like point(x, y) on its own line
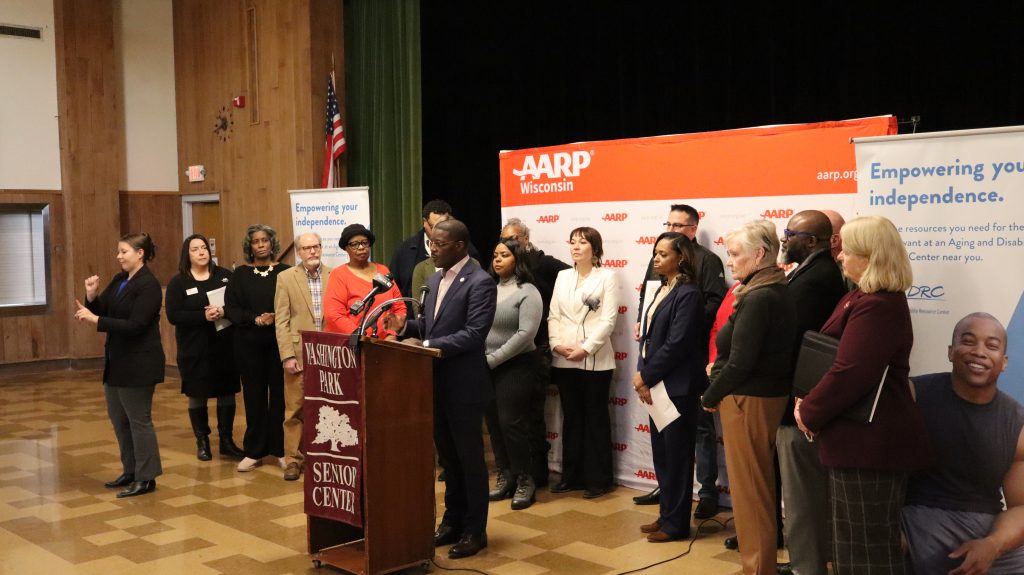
point(335, 135)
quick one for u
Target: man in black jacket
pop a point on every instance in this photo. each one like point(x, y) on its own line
point(414, 248)
point(685, 219)
point(816, 287)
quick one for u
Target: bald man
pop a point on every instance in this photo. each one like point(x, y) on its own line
point(816, 286)
point(954, 518)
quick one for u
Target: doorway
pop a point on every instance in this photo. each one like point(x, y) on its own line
point(200, 214)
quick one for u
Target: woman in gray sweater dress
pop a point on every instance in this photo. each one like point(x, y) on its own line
point(512, 357)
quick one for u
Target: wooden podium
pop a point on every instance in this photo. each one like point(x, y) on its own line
point(398, 467)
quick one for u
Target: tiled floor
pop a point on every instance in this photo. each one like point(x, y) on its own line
point(57, 448)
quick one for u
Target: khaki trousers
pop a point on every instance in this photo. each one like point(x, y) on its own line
point(749, 425)
point(293, 394)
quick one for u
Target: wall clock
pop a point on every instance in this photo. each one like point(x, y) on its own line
point(222, 127)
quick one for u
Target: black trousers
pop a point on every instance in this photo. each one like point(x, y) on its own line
point(131, 413)
point(586, 426)
point(460, 448)
point(672, 450)
point(263, 394)
point(515, 388)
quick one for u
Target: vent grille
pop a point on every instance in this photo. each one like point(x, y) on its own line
point(20, 32)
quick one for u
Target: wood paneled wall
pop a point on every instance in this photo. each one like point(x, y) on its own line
point(159, 215)
point(258, 163)
point(92, 150)
point(34, 337)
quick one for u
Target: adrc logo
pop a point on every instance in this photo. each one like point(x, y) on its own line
point(929, 293)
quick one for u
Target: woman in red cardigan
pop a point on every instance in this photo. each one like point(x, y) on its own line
point(349, 283)
point(868, 463)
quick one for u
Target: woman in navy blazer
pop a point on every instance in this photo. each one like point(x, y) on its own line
point(671, 356)
point(128, 310)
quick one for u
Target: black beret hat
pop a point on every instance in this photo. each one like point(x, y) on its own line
point(354, 230)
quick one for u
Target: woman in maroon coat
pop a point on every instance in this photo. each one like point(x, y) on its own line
point(868, 462)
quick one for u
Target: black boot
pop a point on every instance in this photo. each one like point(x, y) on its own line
point(225, 427)
point(201, 427)
point(504, 487)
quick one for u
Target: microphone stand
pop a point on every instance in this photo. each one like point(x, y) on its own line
point(372, 316)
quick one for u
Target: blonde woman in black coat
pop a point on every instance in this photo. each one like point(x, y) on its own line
point(128, 311)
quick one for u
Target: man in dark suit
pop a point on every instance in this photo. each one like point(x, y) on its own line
point(816, 286)
point(413, 249)
point(457, 314)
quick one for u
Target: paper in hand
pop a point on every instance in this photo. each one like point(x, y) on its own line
point(662, 410)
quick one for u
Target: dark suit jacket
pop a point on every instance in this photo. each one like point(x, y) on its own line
point(673, 351)
point(409, 253)
point(134, 355)
point(816, 287)
point(459, 331)
point(710, 280)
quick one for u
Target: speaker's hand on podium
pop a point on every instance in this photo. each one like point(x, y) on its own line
point(393, 322)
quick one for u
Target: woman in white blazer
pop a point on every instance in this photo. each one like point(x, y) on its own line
point(584, 308)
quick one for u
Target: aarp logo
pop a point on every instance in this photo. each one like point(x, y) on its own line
point(621, 355)
point(617, 401)
point(615, 263)
point(547, 219)
point(779, 214)
point(553, 166)
point(616, 217)
point(646, 240)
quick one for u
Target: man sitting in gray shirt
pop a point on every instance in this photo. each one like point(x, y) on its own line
point(954, 518)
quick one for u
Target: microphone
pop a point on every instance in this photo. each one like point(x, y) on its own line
point(424, 290)
point(380, 283)
point(591, 301)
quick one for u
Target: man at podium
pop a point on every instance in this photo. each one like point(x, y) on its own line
point(457, 314)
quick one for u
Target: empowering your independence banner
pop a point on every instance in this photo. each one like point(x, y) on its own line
point(624, 188)
point(957, 199)
point(327, 212)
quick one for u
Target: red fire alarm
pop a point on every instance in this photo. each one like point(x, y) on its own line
point(238, 102)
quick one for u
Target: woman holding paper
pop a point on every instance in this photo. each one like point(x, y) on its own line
point(670, 375)
point(750, 385)
point(868, 463)
point(195, 305)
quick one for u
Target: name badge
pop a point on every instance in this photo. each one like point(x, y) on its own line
point(192, 291)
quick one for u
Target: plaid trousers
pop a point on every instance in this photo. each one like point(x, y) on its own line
point(866, 508)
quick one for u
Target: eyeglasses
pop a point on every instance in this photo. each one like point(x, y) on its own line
point(358, 245)
point(439, 245)
point(671, 226)
point(309, 248)
point(790, 234)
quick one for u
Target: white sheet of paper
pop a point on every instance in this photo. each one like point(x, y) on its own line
point(216, 298)
point(661, 410)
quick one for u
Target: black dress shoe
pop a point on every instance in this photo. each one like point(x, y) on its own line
point(732, 543)
point(651, 498)
point(138, 488)
point(445, 535)
point(706, 508)
point(563, 487)
point(470, 544)
point(784, 568)
point(594, 493)
point(121, 481)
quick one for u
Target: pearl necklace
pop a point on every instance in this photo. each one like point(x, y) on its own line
point(264, 273)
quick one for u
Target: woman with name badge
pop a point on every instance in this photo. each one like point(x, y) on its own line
point(205, 341)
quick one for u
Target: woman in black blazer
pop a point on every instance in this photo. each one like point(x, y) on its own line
point(671, 355)
point(205, 354)
point(129, 312)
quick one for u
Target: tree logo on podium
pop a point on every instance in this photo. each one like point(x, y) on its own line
point(334, 427)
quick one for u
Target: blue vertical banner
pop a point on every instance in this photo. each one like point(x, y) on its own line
point(957, 199)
